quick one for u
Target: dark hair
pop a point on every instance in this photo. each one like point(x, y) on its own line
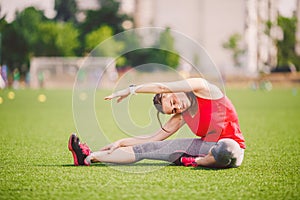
point(157, 101)
point(158, 105)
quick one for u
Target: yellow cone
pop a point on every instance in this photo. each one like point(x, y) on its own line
point(11, 95)
point(42, 98)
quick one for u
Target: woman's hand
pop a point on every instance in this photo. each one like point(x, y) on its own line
point(111, 147)
point(122, 94)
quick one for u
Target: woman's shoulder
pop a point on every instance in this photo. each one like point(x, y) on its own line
point(209, 91)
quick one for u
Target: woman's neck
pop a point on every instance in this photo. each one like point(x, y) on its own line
point(194, 104)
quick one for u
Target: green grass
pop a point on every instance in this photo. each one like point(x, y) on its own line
point(36, 164)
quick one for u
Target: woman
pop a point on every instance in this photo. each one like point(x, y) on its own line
point(196, 102)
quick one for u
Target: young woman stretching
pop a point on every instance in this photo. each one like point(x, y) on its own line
point(195, 102)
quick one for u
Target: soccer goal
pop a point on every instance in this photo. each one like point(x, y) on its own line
point(61, 72)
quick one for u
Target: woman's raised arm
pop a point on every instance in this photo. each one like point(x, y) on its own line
point(198, 85)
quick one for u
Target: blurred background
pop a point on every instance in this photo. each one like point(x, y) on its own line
point(43, 42)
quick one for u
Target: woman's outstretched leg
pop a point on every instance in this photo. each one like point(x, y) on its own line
point(159, 150)
point(122, 155)
point(83, 156)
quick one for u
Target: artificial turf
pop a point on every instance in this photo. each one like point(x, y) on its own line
point(36, 164)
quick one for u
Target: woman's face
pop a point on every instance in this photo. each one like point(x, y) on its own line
point(173, 103)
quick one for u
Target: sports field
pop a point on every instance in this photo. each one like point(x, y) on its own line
point(36, 164)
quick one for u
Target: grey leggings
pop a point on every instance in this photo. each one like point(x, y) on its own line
point(226, 152)
point(161, 150)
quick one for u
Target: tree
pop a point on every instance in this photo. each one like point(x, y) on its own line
point(110, 48)
point(108, 14)
point(168, 53)
point(31, 34)
point(163, 51)
point(20, 36)
point(15, 50)
point(133, 41)
point(3, 25)
point(56, 39)
point(233, 44)
point(286, 50)
point(66, 10)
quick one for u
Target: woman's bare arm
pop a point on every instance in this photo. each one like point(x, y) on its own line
point(199, 86)
point(174, 123)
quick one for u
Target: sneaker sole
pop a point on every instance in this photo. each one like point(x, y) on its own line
point(73, 152)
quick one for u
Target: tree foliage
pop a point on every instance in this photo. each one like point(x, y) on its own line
point(163, 51)
point(32, 34)
point(66, 10)
point(286, 47)
point(109, 48)
point(20, 37)
point(233, 45)
point(108, 14)
point(56, 39)
point(169, 55)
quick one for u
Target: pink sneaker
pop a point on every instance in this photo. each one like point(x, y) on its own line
point(189, 161)
point(79, 151)
point(181, 157)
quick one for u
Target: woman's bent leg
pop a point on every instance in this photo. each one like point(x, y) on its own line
point(227, 153)
point(162, 150)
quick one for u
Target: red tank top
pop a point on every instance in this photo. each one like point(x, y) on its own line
point(214, 120)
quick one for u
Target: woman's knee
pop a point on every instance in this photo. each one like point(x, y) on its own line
point(227, 153)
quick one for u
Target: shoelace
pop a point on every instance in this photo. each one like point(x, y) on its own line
point(85, 149)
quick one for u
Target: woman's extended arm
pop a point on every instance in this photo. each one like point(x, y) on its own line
point(198, 85)
point(174, 123)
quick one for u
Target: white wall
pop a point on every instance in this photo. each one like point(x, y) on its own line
point(209, 22)
point(220, 21)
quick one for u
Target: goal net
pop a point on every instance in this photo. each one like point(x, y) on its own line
point(61, 72)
